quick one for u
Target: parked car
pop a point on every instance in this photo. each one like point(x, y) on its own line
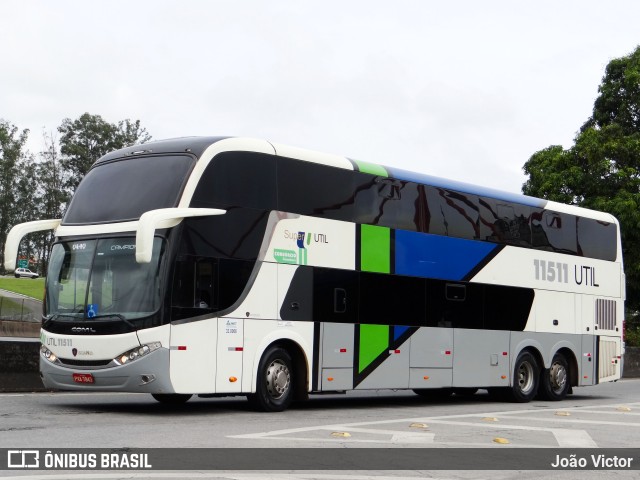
point(25, 272)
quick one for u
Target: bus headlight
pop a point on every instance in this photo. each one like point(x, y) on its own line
point(136, 353)
point(48, 354)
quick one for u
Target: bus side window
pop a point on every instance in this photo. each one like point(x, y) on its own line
point(389, 188)
point(318, 190)
point(335, 294)
point(596, 239)
point(554, 231)
point(391, 299)
point(454, 305)
point(183, 283)
point(193, 287)
point(205, 276)
point(238, 179)
point(506, 223)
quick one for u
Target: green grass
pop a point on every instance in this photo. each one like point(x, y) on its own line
point(25, 286)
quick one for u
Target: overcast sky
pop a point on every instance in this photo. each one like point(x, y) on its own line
point(463, 89)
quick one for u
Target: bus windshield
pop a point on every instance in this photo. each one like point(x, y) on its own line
point(93, 279)
point(123, 190)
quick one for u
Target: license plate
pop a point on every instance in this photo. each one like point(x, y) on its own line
point(83, 378)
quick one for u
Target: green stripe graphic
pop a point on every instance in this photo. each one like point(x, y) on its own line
point(374, 339)
point(375, 249)
point(372, 168)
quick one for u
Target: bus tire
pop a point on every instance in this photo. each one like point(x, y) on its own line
point(172, 398)
point(525, 378)
point(274, 387)
point(554, 381)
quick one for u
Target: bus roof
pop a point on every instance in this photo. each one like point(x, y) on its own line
point(193, 145)
point(197, 145)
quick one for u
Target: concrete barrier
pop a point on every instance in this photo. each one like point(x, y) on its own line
point(19, 370)
point(16, 328)
point(20, 343)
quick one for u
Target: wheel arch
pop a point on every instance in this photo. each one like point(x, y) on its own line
point(533, 351)
point(570, 355)
point(300, 354)
point(531, 346)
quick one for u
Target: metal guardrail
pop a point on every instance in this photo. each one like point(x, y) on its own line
point(20, 309)
point(20, 316)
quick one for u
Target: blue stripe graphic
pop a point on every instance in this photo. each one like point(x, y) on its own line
point(465, 187)
point(398, 331)
point(435, 256)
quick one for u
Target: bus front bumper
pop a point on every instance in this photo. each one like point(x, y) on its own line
point(149, 374)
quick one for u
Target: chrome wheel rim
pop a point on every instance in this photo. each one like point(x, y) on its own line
point(278, 379)
point(525, 377)
point(557, 377)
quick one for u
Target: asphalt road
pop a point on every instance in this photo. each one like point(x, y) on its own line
point(603, 416)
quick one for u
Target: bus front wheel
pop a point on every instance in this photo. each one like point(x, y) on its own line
point(554, 381)
point(274, 388)
point(525, 378)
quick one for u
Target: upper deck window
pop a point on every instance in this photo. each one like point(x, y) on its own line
point(123, 190)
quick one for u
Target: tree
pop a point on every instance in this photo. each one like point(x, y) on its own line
point(602, 169)
point(12, 158)
point(86, 139)
point(51, 196)
point(618, 102)
point(36, 188)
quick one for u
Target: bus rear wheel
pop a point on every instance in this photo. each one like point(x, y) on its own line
point(274, 388)
point(554, 381)
point(172, 398)
point(525, 378)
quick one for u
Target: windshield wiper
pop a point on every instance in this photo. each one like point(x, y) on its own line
point(56, 316)
point(117, 315)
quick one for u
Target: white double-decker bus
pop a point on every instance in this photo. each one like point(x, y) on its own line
point(230, 266)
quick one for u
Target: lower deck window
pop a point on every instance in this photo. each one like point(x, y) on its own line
point(203, 285)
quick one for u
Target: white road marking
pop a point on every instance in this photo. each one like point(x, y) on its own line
point(565, 437)
point(574, 420)
point(573, 438)
point(408, 437)
point(610, 412)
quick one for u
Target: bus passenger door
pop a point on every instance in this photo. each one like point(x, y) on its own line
point(229, 355)
point(193, 335)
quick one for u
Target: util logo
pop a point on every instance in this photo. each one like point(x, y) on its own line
point(301, 238)
point(302, 251)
